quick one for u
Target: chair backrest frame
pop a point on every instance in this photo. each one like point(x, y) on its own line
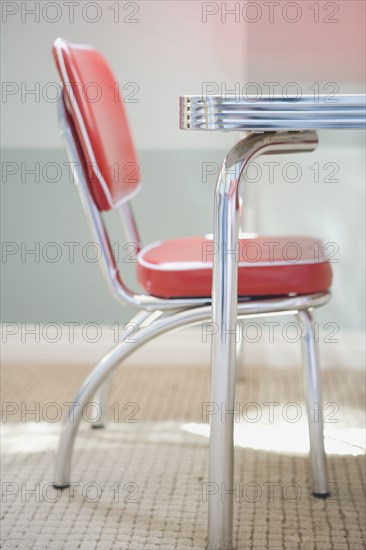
point(100, 123)
point(100, 235)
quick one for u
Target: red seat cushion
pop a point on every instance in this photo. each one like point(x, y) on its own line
point(268, 266)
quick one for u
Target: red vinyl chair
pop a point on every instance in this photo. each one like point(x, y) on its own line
point(176, 275)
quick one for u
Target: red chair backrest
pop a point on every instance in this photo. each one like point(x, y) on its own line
point(96, 107)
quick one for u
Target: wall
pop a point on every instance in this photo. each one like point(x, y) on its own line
point(170, 51)
point(166, 53)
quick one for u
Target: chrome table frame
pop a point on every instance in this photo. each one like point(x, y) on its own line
point(282, 125)
point(270, 113)
point(157, 316)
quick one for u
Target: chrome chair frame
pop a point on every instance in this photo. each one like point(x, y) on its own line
point(157, 316)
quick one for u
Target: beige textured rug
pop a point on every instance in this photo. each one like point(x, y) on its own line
point(141, 485)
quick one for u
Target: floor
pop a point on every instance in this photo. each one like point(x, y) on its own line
point(140, 483)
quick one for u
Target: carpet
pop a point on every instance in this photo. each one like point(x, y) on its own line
point(141, 482)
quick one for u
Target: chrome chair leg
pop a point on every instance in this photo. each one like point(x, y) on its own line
point(312, 385)
point(100, 403)
point(101, 373)
point(169, 322)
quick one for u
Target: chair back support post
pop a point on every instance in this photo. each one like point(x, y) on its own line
point(129, 226)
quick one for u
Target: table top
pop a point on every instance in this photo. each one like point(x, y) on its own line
point(270, 113)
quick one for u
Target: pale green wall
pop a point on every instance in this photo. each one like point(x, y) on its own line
point(171, 51)
point(175, 201)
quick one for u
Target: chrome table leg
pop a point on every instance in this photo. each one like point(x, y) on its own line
point(239, 352)
point(224, 307)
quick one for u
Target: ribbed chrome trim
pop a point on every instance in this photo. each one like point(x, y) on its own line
point(272, 113)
